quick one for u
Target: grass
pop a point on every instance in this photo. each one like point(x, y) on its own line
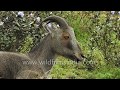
point(78, 71)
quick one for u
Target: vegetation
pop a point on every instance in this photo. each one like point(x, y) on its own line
point(98, 33)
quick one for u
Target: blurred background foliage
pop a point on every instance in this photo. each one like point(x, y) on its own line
point(98, 33)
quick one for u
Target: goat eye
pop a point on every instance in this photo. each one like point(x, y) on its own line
point(66, 37)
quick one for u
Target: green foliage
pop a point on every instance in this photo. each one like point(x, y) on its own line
point(79, 71)
point(98, 33)
point(26, 45)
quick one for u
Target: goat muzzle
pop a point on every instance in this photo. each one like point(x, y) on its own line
point(78, 57)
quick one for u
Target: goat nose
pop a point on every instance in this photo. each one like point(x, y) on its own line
point(83, 56)
point(77, 55)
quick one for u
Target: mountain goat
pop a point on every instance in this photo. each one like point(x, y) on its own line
point(58, 41)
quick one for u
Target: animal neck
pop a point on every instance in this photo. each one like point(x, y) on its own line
point(43, 54)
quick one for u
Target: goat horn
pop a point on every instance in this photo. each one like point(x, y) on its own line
point(62, 23)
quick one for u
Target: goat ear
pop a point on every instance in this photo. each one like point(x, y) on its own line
point(52, 34)
point(50, 29)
